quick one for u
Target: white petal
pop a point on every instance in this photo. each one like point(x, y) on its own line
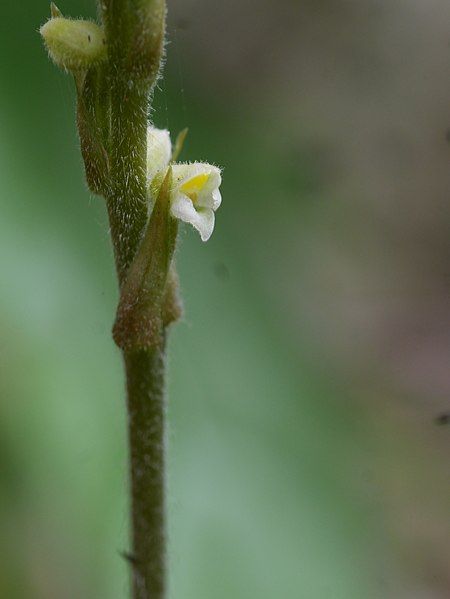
point(217, 199)
point(180, 173)
point(183, 172)
point(208, 195)
point(203, 219)
point(196, 196)
point(159, 151)
point(182, 207)
point(205, 223)
point(215, 178)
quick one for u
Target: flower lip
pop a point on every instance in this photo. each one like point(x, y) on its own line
point(200, 183)
point(193, 187)
point(196, 195)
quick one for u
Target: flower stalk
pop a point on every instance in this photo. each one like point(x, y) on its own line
point(115, 65)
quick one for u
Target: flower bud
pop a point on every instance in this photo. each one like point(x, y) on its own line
point(159, 152)
point(74, 45)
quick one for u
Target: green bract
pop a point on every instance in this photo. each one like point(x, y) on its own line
point(74, 44)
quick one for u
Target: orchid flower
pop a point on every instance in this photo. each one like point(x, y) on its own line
point(195, 194)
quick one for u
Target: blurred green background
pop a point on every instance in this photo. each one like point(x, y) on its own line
point(305, 379)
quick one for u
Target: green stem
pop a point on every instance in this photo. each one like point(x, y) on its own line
point(127, 196)
point(135, 34)
point(145, 371)
point(114, 86)
point(135, 37)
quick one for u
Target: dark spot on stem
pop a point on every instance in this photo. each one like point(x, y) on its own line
point(89, 38)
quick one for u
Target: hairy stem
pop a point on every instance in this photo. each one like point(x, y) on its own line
point(146, 413)
point(127, 201)
point(135, 35)
point(115, 68)
point(145, 368)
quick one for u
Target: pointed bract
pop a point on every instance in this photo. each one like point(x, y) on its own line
point(54, 10)
point(142, 311)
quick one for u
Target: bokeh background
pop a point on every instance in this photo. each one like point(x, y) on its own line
point(305, 380)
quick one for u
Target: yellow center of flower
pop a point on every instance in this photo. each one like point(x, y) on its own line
point(192, 187)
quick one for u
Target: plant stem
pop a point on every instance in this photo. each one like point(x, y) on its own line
point(134, 33)
point(135, 36)
point(145, 370)
point(127, 198)
point(114, 85)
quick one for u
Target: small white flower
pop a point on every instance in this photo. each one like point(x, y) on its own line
point(196, 195)
point(159, 151)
